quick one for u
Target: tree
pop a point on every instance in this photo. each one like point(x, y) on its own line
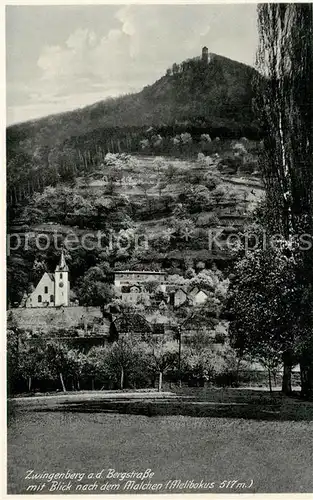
point(285, 107)
point(32, 364)
point(186, 138)
point(39, 268)
point(159, 164)
point(170, 173)
point(76, 362)
point(12, 347)
point(175, 69)
point(56, 360)
point(145, 144)
point(164, 357)
point(199, 365)
point(121, 359)
point(93, 288)
point(264, 302)
point(161, 186)
point(151, 286)
point(145, 186)
point(196, 198)
point(157, 141)
point(95, 366)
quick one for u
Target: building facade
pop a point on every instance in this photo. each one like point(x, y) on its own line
point(131, 286)
point(133, 277)
point(53, 289)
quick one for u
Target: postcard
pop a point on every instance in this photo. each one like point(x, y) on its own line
point(159, 191)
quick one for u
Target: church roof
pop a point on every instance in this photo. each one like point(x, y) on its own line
point(51, 275)
point(62, 266)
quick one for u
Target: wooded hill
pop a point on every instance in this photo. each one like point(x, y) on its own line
point(194, 97)
point(216, 96)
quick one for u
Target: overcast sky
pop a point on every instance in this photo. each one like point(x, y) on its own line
point(63, 57)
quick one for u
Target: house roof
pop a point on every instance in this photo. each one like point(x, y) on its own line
point(128, 288)
point(158, 328)
point(34, 286)
point(201, 291)
point(139, 272)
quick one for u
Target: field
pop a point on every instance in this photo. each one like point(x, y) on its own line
point(274, 452)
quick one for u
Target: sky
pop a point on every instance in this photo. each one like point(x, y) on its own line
point(60, 58)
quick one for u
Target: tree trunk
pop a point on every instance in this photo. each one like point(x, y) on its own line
point(238, 365)
point(270, 381)
point(286, 385)
point(29, 383)
point(160, 381)
point(179, 357)
point(92, 384)
point(306, 373)
point(62, 382)
point(122, 379)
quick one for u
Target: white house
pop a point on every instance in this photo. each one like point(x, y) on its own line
point(134, 277)
point(180, 297)
point(53, 289)
point(133, 294)
point(198, 296)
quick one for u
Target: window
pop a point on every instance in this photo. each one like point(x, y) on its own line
point(39, 298)
point(61, 275)
point(46, 289)
point(51, 298)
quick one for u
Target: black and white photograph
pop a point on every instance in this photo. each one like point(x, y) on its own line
point(159, 248)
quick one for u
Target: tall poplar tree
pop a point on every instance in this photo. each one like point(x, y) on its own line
point(285, 106)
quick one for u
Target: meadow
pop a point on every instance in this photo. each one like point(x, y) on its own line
point(274, 449)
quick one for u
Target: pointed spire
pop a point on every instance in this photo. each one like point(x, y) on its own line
point(62, 266)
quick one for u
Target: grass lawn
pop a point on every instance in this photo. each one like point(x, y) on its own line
point(276, 453)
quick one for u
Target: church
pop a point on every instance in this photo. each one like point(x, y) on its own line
point(53, 289)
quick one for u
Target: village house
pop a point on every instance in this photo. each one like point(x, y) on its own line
point(134, 294)
point(133, 277)
point(179, 297)
point(130, 285)
point(198, 296)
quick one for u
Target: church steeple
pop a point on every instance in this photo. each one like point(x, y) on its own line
point(62, 284)
point(62, 266)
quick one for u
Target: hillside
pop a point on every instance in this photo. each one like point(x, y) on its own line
point(216, 96)
point(169, 203)
point(81, 172)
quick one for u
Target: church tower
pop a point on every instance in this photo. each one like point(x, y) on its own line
point(62, 284)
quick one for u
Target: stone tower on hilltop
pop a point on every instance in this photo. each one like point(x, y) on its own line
point(205, 55)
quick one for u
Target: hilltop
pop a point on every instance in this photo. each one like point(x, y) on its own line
point(216, 96)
